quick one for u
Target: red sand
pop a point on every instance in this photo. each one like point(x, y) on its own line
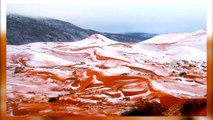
point(60, 79)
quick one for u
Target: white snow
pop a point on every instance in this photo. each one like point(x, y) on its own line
point(176, 46)
point(93, 40)
point(41, 59)
point(198, 36)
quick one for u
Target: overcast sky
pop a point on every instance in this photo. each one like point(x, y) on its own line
point(153, 16)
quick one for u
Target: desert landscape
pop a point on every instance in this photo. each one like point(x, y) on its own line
point(97, 76)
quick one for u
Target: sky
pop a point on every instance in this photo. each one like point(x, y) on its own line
point(119, 16)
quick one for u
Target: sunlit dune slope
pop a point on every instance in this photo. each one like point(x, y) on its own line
point(101, 77)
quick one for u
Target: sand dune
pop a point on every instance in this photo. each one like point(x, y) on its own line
point(101, 77)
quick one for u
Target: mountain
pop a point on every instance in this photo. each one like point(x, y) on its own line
point(142, 34)
point(23, 30)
